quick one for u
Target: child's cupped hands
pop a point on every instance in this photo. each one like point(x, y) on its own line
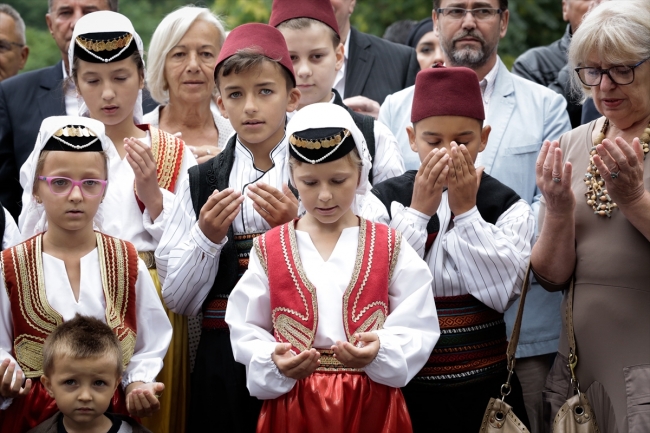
point(142, 398)
point(275, 206)
point(15, 389)
point(143, 163)
point(463, 180)
point(429, 182)
point(295, 366)
point(218, 212)
point(360, 354)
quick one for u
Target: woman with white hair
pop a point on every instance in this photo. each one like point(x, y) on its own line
point(181, 60)
point(595, 222)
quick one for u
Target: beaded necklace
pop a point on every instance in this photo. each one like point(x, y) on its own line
point(597, 196)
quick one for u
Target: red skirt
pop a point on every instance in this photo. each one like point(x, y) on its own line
point(338, 402)
point(27, 412)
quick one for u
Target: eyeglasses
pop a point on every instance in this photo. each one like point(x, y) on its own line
point(6, 45)
point(63, 185)
point(620, 74)
point(480, 14)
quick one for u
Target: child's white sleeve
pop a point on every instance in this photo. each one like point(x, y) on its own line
point(249, 318)
point(6, 335)
point(411, 329)
point(11, 233)
point(492, 258)
point(411, 223)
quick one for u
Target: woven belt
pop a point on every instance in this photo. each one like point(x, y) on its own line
point(148, 258)
point(214, 314)
point(328, 363)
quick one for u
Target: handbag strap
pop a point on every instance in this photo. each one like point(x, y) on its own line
point(573, 357)
point(514, 337)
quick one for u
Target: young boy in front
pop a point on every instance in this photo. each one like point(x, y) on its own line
point(309, 27)
point(475, 234)
point(83, 366)
point(224, 205)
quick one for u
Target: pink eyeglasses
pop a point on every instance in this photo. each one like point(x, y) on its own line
point(63, 185)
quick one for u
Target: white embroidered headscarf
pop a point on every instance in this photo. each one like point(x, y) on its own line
point(326, 115)
point(106, 22)
point(32, 219)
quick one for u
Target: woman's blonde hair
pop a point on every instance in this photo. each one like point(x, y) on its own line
point(618, 32)
point(167, 35)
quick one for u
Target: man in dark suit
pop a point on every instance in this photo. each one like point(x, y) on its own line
point(27, 99)
point(374, 68)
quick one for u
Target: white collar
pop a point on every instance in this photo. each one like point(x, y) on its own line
point(488, 83)
point(347, 44)
point(277, 154)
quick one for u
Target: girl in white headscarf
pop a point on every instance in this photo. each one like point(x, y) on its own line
point(146, 165)
point(72, 269)
point(324, 316)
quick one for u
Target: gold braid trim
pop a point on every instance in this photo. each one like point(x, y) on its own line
point(395, 252)
point(355, 277)
point(168, 155)
point(325, 143)
point(261, 255)
point(110, 45)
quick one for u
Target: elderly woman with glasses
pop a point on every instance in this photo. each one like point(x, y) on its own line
point(594, 227)
point(181, 59)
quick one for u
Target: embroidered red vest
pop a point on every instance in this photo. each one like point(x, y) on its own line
point(34, 318)
point(167, 150)
point(294, 306)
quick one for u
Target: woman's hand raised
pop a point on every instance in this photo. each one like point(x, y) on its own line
point(554, 180)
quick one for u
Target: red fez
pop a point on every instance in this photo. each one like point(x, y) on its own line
point(319, 10)
point(441, 91)
point(263, 38)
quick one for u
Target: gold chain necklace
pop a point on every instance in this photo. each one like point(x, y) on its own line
point(597, 196)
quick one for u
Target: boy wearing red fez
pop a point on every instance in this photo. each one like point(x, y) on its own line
point(312, 35)
point(475, 234)
point(226, 203)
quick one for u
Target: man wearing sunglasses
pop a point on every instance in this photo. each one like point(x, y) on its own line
point(522, 114)
point(13, 45)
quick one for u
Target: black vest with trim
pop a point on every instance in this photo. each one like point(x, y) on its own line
point(366, 125)
point(492, 199)
point(211, 175)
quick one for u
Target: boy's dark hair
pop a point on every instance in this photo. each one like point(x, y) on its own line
point(247, 59)
point(399, 31)
point(79, 338)
point(305, 23)
point(503, 4)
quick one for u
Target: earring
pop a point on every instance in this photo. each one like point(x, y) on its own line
point(38, 200)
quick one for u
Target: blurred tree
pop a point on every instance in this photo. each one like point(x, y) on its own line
point(532, 22)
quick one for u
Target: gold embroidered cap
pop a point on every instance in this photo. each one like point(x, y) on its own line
point(104, 47)
point(78, 138)
point(320, 145)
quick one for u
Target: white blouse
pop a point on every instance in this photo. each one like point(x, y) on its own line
point(469, 255)
point(408, 337)
point(154, 331)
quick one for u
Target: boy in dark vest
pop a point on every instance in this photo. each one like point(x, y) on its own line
point(475, 234)
point(225, 204)
point(309, 27)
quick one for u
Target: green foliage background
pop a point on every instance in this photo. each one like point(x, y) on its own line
point(532, 22)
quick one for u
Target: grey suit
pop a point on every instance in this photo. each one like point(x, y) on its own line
point(376, 67)
point(25, 100)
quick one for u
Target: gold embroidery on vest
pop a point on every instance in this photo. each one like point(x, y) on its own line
point(294, 332)
point(258, 249)
point(396, 250)
point(166, 154)
point(355, 277)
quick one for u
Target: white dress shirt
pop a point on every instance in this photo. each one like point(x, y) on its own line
point(487, 85)
point(154, 330)
point(406, 340)
point(339, 81)
point(469, 255)
point(186, 259)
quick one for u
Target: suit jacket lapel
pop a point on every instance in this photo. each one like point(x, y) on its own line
point(360, 60)
point(51, 99)
point(500, 109)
